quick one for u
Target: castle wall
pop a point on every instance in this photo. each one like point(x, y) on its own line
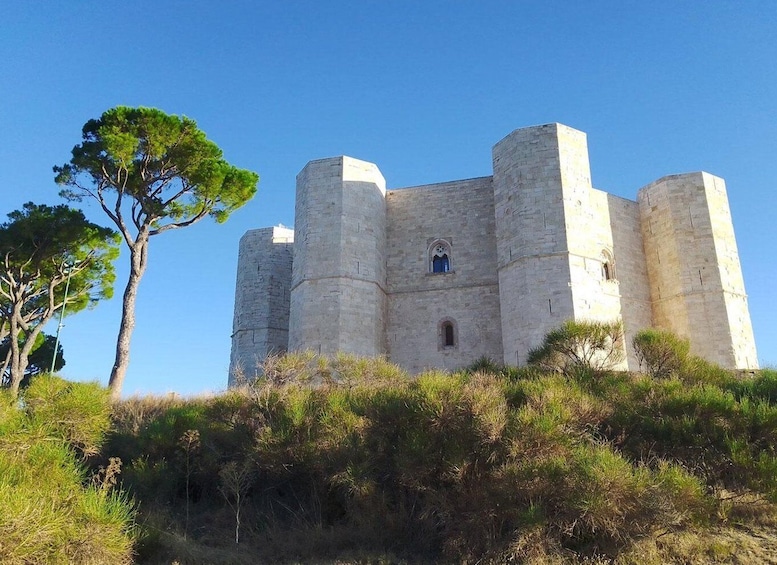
point(460, 214)
point(696, 282)
point(630, 270)
point(525, 250)
point(338, 300)
point(595, 296)
point(261, 321)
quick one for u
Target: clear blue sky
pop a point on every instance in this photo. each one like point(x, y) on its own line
point(422, 89)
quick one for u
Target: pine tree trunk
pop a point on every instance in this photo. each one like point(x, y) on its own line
point(138, 259)
point(15, 330)
point(18, 367)
point(16, 373)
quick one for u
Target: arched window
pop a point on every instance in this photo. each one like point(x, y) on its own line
point(440, 257)
point(447, 334)
point(608, 266)
point(448, 339)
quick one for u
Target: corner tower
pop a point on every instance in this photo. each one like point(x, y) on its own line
point(542, 184)
point(338, 289)
point(261, 321)
point(696, 283)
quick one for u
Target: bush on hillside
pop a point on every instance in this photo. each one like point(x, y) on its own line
point(718, 425)
point(762, 385)
point(305, 367)
point(580, 345)
point(79, 413)
point(697, 370)
point(661, 352)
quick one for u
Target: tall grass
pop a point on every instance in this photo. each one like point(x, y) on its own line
point(49, 511)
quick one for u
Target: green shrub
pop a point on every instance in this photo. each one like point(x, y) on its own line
point(699, 370)
point(559, 410)
point(486, 365)
point(760, 386)
point(580, 345)
point(306, 367)
point(661, 352)
point(764, 385)
point(49, 512)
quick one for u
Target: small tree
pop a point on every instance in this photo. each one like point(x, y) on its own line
point(190, 444)
point(42, 248)
point(580, 345)
point(661, 352)
point(150, 172)
point(235, 481)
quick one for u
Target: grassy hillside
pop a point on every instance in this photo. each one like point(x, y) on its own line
point(488, 465)
point(51, 510)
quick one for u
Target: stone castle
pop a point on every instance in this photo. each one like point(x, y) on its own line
point(443, 274)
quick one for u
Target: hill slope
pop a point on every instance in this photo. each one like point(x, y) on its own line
point(485, 465)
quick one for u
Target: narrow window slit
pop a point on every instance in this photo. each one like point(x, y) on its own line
point(447, 334)
point(449, 342)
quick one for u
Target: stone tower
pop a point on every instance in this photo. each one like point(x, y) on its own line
point(565, 250)
point(696, 281)
point(338, 296)
point(261, 321)
point(541, 188)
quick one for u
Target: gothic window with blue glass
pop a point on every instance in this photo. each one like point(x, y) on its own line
point(441, 258)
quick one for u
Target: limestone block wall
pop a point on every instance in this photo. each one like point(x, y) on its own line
point(260, 324)
point(459, 214)
point(730, 271)
point(595, 296)
point(630, 271)
point(693, 266)
point(663, 258)
point(539, 172)
point(338, 298)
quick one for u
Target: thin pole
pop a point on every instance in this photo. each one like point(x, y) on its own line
point(61, 316)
